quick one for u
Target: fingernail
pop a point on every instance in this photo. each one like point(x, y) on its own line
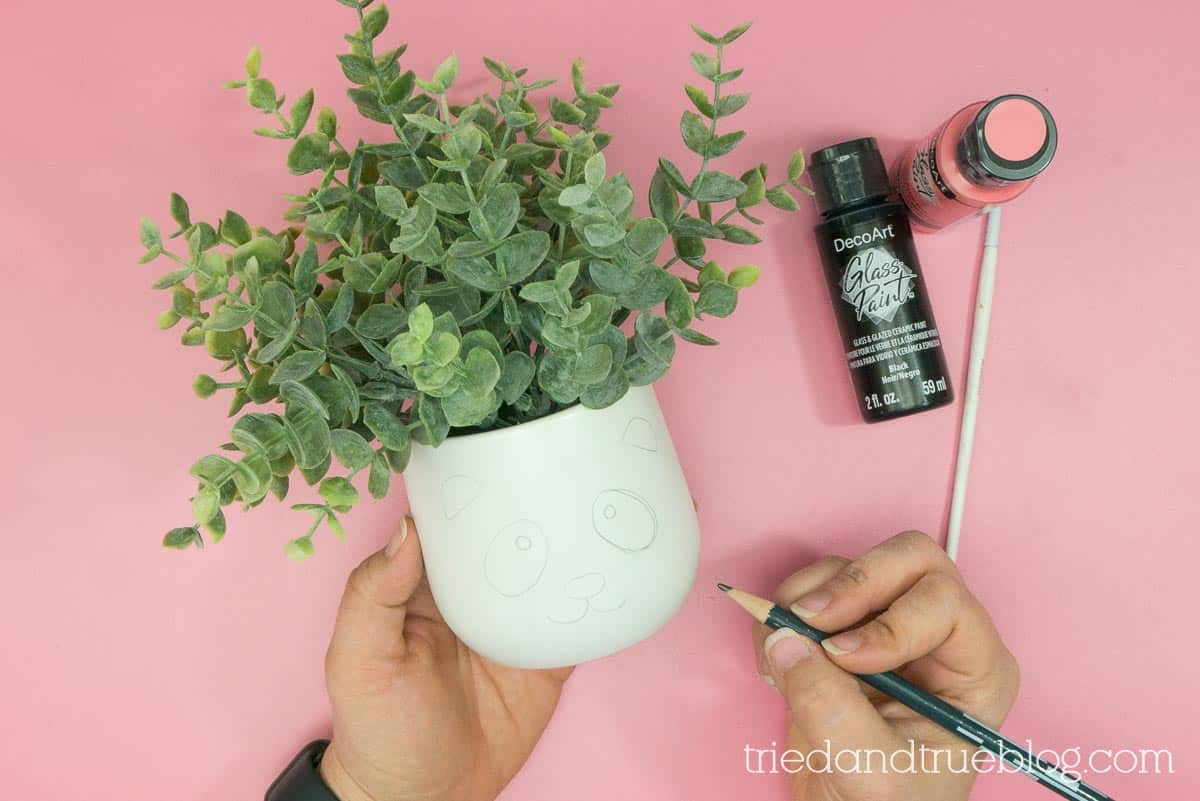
point(842, 643)
point(767, 680)
point(812, 603)
point(393, 546)
point(785, 648)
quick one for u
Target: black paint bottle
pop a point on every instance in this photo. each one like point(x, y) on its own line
point(891, 341)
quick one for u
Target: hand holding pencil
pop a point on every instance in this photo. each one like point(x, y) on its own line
point(901, 606)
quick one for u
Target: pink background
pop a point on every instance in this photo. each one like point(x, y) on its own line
point(129, 671)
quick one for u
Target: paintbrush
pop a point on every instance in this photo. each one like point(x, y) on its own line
point(929, 706)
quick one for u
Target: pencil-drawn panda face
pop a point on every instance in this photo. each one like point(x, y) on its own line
point(621, 523)
point(607, 557)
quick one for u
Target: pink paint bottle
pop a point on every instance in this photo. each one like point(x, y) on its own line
point(986, 154)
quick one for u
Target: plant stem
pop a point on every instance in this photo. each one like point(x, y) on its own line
point(712, 132)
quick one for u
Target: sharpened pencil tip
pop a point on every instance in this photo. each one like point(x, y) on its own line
point(723, 587)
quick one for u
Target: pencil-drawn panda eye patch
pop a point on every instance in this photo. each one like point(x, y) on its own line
point(624, 519)
point(516, 558)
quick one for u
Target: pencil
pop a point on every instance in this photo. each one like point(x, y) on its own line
point(929, 706)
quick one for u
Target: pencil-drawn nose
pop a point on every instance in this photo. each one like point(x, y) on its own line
point(586, 586)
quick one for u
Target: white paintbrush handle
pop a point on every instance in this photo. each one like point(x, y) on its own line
point(970, 409)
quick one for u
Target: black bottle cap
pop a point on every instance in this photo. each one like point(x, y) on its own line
point(848, 173)
point(1016, 148)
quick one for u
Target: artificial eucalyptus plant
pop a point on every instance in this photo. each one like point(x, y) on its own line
point(479, 269)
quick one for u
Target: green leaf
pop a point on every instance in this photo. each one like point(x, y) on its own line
point(302, 398)
point(497, 214)
point(311, 152)
point(574, 196)
point(305, 277)
point(357, 68)
point(695, 337)
point(712, 272)
point(700, 100)
point(567, 113)
point(388, 428)
point(695, 132)
point(780, 198)
point(151, 237)
point(229, 318)
point(253, 62)
point(181, 538)
point(795, 166)
point(646, 237)
point(522, 253)
point(715, 187)
point(515, 376)
point(743, 277)
point(483, 372)
point(301, 110)
point(475, 272)
point(260, 93)
point(297, 367)
point(308, 437)
point(602, 235)
point(420, 322)
point(593, 171)
point(755, 189)
point(577, 77)
point(374, 21)
point(443, 348)
point(664, 203)
point(593, 364)
point(179, 211)
point(339, 313)
point(450, 198)
point(675, 177)
point(705, 65)
point(351, 449)
point(381, 321)
point(706, 36)
point(653, 286)
point(464, 409)
point(299, 549)
point(391, 202)
point(731, 104)
point(380, 477)
point(427, 123)
point(739, 235)
point(339, 493)
point(277, 309)
point(445, 74)
point(720, 145)
point(679, 309)
point(732, 35)
point(717, 299)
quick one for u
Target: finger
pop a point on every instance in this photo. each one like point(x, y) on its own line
point(807, 578)
point(873, 581)
point(370, 620)
point(938, 617)
point(825, 702)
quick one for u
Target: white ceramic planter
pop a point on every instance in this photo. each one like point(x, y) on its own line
point(560, 540)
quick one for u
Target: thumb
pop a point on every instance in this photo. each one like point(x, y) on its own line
point(370, 619)
point(826, 702)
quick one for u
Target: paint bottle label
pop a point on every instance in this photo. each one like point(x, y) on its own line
point(891, 341)
point(922, 188)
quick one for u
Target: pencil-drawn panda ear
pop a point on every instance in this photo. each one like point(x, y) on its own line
point(459, 492)
point(640, 434)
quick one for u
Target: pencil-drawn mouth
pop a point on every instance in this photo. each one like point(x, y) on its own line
point(587, 606)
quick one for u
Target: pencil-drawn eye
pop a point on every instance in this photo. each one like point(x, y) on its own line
point(624, 519)
point(516, 558)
